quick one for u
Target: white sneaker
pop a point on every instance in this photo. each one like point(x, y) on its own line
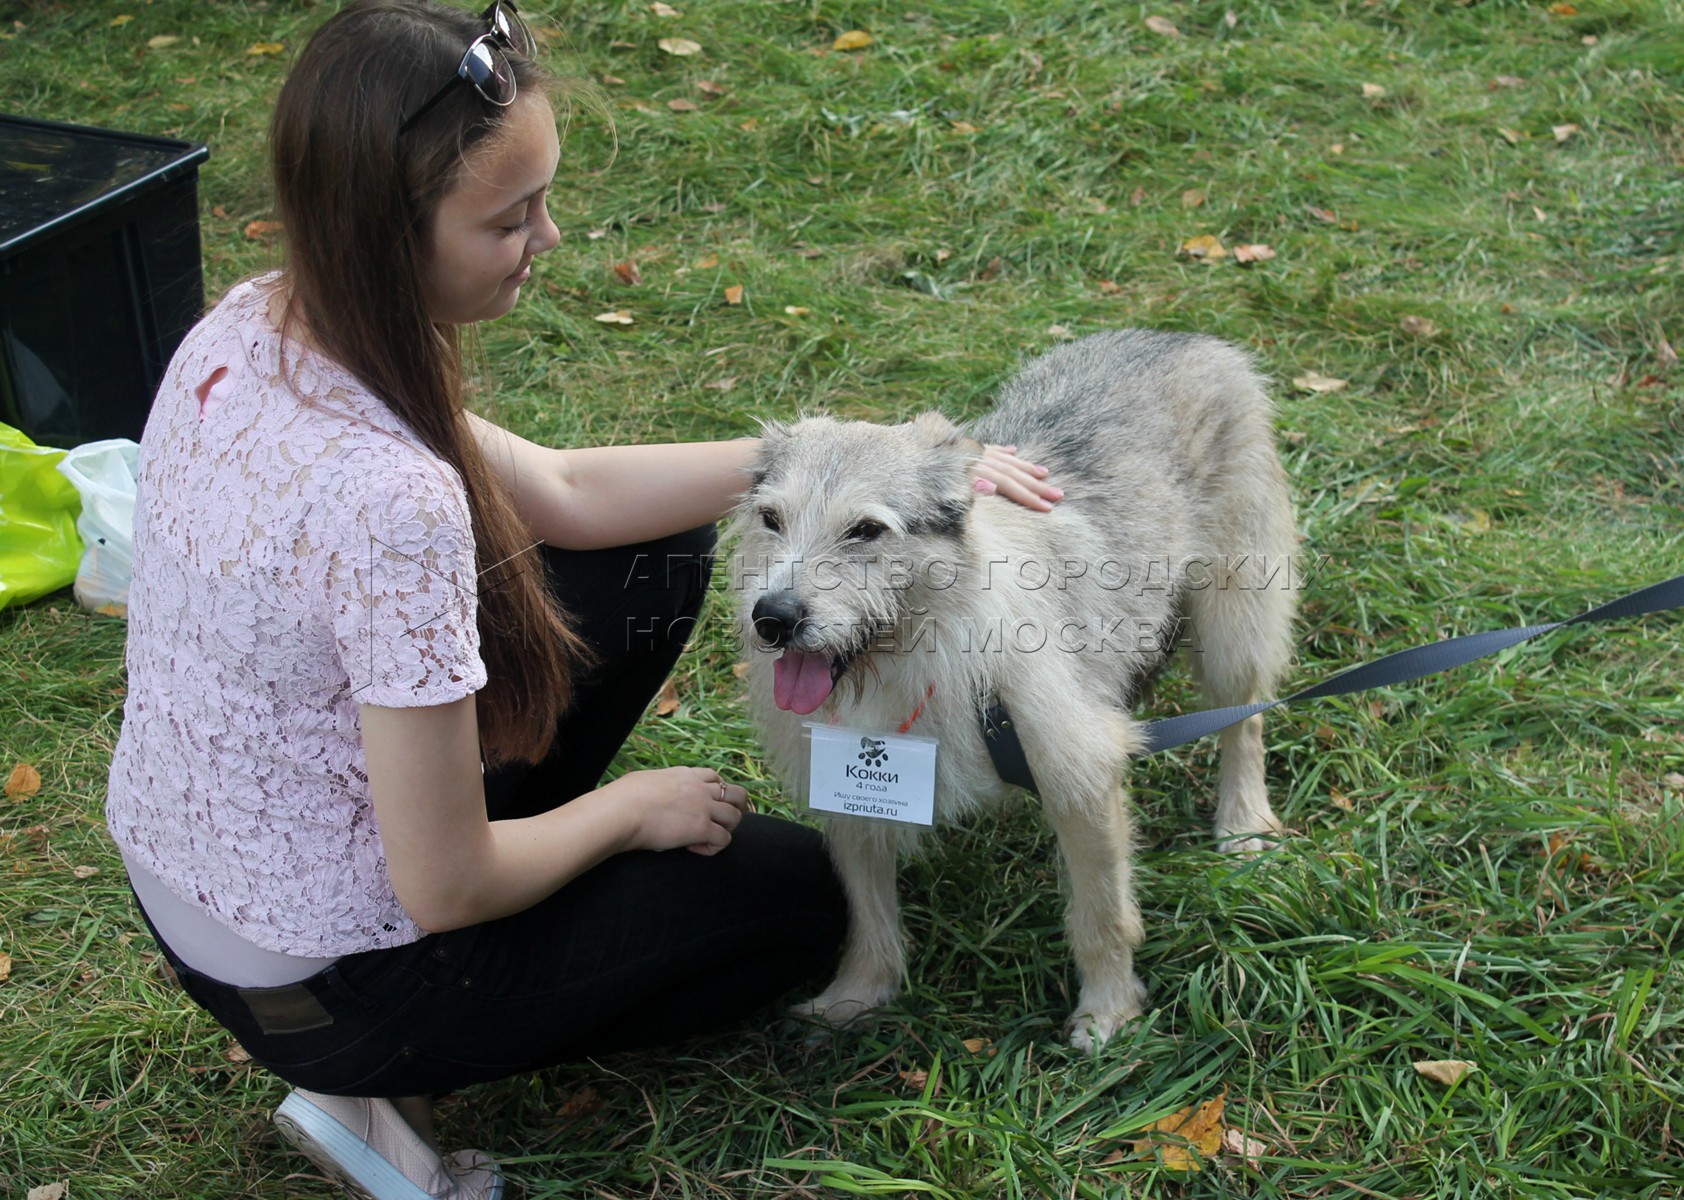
point(363, 1143)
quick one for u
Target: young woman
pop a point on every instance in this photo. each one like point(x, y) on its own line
point(358, 783)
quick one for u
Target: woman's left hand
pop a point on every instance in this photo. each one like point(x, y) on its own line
point(1001, 472)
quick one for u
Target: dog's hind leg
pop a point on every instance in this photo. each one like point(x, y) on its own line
point(1241, 628)
point(874, 957)
point(1082, 793)
point(1104, 920)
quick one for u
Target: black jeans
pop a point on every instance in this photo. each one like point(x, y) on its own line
point(643, 949)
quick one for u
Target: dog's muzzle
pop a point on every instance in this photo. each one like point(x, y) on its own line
point(801, 679)
point(777, 618)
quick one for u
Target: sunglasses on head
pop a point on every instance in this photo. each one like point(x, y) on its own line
point(484, 65)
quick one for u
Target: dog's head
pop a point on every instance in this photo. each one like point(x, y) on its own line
point(844, 523)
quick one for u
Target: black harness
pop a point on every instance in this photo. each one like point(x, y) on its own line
point(999, 734)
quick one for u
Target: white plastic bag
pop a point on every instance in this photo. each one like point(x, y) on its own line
point(104, 475)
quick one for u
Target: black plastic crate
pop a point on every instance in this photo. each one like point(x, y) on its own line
point(99, 275)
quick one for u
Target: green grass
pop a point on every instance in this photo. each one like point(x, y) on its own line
point(1488, 865)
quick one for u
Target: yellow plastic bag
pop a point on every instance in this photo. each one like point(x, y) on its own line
point(39, 546)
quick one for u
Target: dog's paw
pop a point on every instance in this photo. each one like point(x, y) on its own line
point(1247, 845)
point(1104, 1010)
point(1088, 1032)
point(836, 1006)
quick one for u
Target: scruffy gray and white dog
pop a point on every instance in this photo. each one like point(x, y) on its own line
point(876, 584)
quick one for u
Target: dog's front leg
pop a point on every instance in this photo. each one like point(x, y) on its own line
point(1104, 925)
point(873, 960)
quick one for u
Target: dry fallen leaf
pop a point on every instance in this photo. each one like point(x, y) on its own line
point(1372, 91)
point(682, 47)
point(1475, 520)
point(260, 48)
point(1162, 25)
point(795, 310)
point(914, 1077)
point(1315, 381)
point(740, 670)
point(963, 127)
point(1199, 1124)
point(680, 104)
point(1109, 287)
point(666, 700)
point(1563, 132)
point(1192, 198)
point(84, 872)
point(854, 39)
point(24, 781)
point(709, 88)
point(162, 41)
point(122, 20)
point(1418, 326)
point(980, 1046)
point(1445, 1071)
point(1665, 355)
point(5, 967)
point(705, 262)
point(257, 229)
point(663, 10)
point(1257, 252)
point(722, 385)
point(734, 294)
point(596, 235)
point(1340, 800)
point(1511, 136)
point(1324, 215)
point(1204, 247)
point(1506, 81)
point(1062, 332)
point(617, 317)
point(237, 1054)
point(612, 80)
point(579, 1103)
point(1564, 10)
point(47, 1191)
point(628, 273)
point(1240, 1145)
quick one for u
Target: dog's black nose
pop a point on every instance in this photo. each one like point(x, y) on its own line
point(776, 618)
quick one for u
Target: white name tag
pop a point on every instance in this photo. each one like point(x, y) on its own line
point(880, 776)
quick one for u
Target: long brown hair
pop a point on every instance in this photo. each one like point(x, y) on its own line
point(357, 199)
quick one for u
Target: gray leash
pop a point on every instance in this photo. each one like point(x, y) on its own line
point(1001, 738)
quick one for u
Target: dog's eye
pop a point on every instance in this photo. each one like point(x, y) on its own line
point(866, 531)
point(769, 519)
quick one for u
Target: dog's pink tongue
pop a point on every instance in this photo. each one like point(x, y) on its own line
point(800, 682)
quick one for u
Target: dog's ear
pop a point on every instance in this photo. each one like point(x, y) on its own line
point(937, 431)
point(773, 434)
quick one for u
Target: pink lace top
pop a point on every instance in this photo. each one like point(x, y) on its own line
point(297, 552)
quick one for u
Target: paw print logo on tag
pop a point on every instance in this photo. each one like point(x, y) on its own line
point(873, 751)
